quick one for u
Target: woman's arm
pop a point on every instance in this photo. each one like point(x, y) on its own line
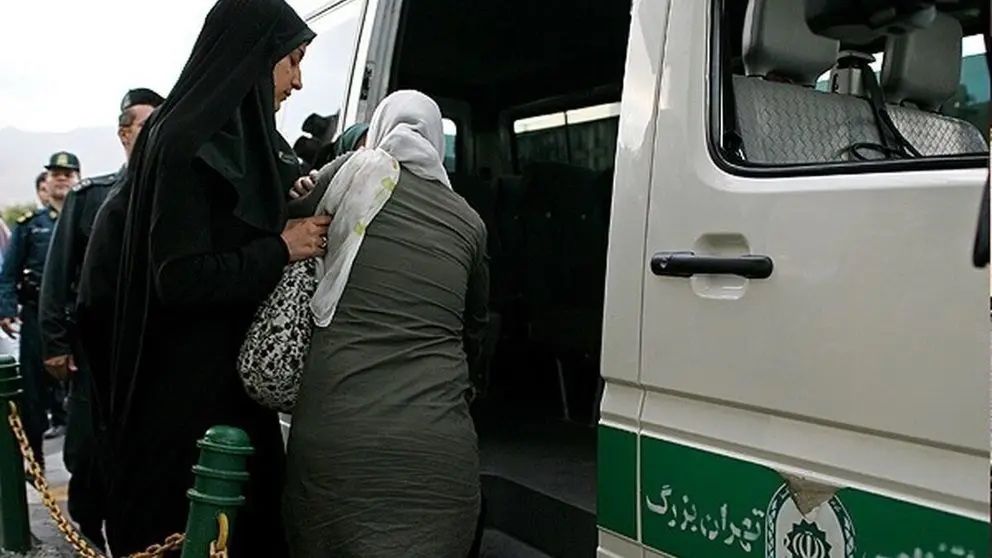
point(244, 275)
point(185, 272)
point(307, 205)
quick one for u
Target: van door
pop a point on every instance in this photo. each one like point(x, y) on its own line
point(326, 68)
point(617, 487)
point(372, 69)
point(815, 339)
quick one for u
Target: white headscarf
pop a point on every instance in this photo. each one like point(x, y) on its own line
point(405, 130)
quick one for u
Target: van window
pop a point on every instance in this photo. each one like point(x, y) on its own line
point(584, 137)
point(776, 107)
point(971, 101)
point(450, 144)
point(326, 69)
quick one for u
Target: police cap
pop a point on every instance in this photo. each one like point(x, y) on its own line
point(63, 160)
point(140, 96)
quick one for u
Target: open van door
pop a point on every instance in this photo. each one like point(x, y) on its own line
point(814, 351)
point(322, 109)
point(373, 59)
point(346, 70)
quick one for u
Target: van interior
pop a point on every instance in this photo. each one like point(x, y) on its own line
point(532, 91)
point(531, 95)
point(794, 98)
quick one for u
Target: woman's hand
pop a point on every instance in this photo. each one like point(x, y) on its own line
point(304, 185)
point(306, 238)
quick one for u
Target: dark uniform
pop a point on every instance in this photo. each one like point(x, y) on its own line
point(20, 283)
point(66, 331)
point(87, 487)
point(65, 258)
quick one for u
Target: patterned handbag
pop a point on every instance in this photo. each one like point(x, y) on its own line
point(276, 346)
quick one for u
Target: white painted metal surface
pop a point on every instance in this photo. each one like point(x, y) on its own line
point(626, 263)
point(635, 149)
point(863, 358)
point(373, 59)
point(612, 546)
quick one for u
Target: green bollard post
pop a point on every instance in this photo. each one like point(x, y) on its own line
point(217, 488)
point(15, 531)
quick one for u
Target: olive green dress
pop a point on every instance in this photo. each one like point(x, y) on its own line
point(382, 458)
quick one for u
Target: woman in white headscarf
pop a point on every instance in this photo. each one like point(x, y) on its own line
point(383, 458)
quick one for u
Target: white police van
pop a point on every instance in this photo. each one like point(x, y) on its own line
point(736, 313)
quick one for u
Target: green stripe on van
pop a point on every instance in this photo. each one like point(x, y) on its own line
point(616, 499)
point(698, 503)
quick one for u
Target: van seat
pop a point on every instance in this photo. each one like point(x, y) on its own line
point(480, 193)
point(782, 124)
point(603, 186)
point(508, 282)
point(921, 71)
point(565, 246)
point(781, 118)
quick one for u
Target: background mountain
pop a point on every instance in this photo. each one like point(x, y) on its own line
point(24, 154)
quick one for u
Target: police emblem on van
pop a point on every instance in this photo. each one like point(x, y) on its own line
point(825, 531)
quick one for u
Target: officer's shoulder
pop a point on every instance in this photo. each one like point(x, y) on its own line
point(28, 215)
point(101, 180)
point(25, 217)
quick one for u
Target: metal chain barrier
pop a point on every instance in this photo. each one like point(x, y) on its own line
point(218, 548)
point(79, 544)
point(172, 542)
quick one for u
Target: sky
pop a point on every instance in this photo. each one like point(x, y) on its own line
point(65, 64)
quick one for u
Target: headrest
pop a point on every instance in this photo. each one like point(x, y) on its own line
point(862, 21)
point(923, 67)
point(778, 42)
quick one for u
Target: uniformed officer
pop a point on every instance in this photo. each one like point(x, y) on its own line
point(63, 357)
point(4, 238)
point(41, 188)
point(54, 391)
point(20, 284)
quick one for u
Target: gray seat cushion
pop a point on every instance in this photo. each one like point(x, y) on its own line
point(782, 124)
point(935, 134)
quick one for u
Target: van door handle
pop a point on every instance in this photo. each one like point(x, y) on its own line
point(687, 264)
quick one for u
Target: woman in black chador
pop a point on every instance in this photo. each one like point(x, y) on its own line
point(204, 241)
